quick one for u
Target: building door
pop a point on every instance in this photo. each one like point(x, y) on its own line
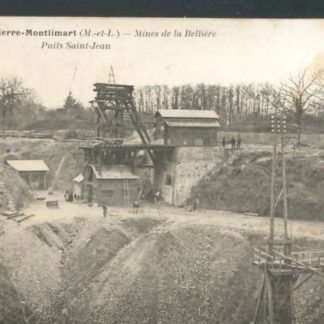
point(89, 193)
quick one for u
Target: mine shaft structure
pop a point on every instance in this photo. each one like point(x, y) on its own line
point(114, 105)
point(284, 271)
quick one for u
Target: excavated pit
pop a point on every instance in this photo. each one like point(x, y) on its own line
point(141, 269)
point(136, 269)
point(242, 185)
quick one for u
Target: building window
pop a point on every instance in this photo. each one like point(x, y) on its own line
point(168, 180)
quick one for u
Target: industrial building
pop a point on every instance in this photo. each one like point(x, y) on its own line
point(113, 170)
point(184, 127)
point(110, 185)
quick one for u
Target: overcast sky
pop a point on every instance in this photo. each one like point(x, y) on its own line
point(242, 51)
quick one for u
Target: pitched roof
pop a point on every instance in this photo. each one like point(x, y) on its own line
point(79, 178)
point(187, 113)
point(28, 165)
point(117, 172)
point(193, 123)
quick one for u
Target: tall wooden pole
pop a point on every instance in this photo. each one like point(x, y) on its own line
point(98, 126)
point(273, 178)
point(284, 187)
point(3, 121)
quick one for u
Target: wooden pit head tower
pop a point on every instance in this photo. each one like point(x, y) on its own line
point(284, 271)
point(114, 104)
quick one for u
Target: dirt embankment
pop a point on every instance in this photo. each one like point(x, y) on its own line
point(52, 153)
point(243, 185)
point(12, 310)
point(184, 275)
point(140, 269)
point(132, 270)
point(14, 192)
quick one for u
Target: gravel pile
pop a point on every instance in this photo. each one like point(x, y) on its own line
point(243, 185)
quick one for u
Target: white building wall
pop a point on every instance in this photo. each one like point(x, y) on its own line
point(189, 165)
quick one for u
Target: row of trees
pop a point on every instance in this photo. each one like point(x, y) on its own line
point(229, 102)
point(18, 104)
point(20, 108)
point(235, 104)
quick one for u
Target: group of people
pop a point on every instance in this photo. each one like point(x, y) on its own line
point(137, 205)
point(235, 143)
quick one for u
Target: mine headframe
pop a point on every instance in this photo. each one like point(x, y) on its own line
point(114, 104)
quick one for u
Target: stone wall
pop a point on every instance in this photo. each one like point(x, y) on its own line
point(188, 166)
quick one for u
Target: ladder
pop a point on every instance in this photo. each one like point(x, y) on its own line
point(126, 191)
point(127, 116)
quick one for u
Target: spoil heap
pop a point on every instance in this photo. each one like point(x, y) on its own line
point(242, 185)
point(137, 269)
point(12, 308)
point(15, 193)
point(142, 271)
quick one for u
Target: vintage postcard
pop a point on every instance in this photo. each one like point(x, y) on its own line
point(161, 171)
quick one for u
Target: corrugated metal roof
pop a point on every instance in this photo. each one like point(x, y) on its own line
point(79, 178)
point(211, 124)
point(28, 165)
point(187, 113)
point(114, 172)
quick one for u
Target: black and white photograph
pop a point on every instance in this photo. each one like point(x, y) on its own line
point(161, 170)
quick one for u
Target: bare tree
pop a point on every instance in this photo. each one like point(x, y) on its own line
point(299, 92)
point(175, 97)
point(10, 90)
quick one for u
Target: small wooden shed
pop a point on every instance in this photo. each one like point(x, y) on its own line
point(78, 186)
point(34, 172)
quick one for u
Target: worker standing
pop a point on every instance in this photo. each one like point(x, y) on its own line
point(157, 197)
point(195, 204)
point(104, 209)
point(239, 140)
point(233, 143)
point(224, 141)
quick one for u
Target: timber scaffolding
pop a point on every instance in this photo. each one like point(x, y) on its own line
point(114, 104)
point(116, 152)
point(110, 164)
point(284, 271)
point(118, 99)
point(309, 261)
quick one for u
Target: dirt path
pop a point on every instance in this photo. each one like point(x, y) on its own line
point(223, 220)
